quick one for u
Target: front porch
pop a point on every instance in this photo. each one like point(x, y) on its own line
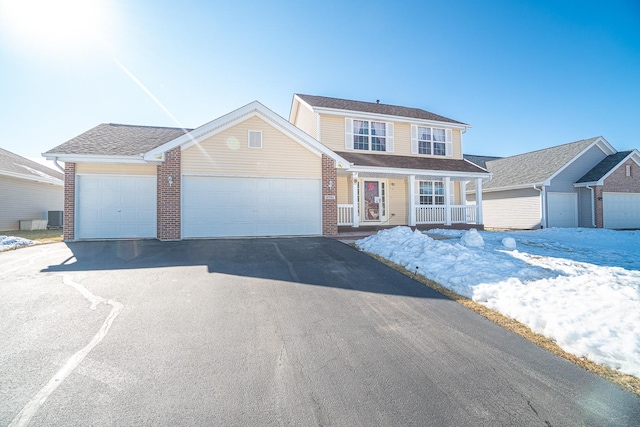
point(377, 201)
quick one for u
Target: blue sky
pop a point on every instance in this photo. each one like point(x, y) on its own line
point(525, 75)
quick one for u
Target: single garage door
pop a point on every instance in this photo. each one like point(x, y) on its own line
point(563, 209)
point(111, 207)
point(621, 210)
point(221, 206)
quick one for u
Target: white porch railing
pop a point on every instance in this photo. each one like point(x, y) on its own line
point(458, 214)
point(345, 214)
point(464, 214)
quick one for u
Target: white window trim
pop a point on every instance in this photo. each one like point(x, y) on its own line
point(251, 139)
point(433, 194)
point(448, 141)
point(349, 136)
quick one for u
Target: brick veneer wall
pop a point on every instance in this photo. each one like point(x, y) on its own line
point(617, 182)
point(329, 196)
point(69, 215)
point(168, 200)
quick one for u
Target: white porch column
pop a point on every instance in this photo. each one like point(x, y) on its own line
point(354, 200)
point(447, 201)
point(479, 200)
point(412, 200)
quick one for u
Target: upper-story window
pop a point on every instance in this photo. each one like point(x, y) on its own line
point(368, 135)
point(432, 141)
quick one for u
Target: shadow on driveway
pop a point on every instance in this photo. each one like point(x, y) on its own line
point(310, 260)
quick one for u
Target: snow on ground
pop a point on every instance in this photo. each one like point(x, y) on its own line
point(10, 242)
point(579, 287)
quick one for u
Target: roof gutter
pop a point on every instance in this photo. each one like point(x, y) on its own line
point(55, 162)
point(543, 205)
point(593, 205)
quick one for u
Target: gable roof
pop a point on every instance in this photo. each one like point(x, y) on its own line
point(110, 139)
point(479, 160)
point(538, 167)
point(19, 167)
point(412, 163)
point(606, 166)
point(324, 102)
point(115, 143)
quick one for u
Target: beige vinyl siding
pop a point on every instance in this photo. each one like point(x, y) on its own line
point(517, 209)
point(307, 120)
point(22, 199)
point(227, 153)
point(398, 202)
point(115, 169)
point(344, 189)
point(332, 133)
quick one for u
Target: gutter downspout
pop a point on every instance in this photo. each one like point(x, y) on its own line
point(55, 162)
point(593, 207)
point(543, 204)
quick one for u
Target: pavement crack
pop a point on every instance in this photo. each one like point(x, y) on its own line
point(30, 409)
point(292, 271)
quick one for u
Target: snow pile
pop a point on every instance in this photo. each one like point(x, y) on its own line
point(579, 287)
point(10, 242)
point(472, 239)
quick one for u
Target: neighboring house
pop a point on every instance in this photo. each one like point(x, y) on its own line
point(252, 173)
point(406, 165)
point(28, 190)
point(585, 183)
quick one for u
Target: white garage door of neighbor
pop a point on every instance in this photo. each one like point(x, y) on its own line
point(563, 210)
point(111, 207)
point(621, 210)
point(222, 207)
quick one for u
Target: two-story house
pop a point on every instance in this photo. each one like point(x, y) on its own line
point(406, 165)
point(253, 173)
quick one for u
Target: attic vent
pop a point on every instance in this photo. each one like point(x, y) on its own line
point(255, 139)
point(628, 171)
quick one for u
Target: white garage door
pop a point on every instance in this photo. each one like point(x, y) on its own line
point(110, 207)
point(216, 206)
point(563, 209)
point(621, 210)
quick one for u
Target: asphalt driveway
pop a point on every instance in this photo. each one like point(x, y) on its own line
point(304, 331)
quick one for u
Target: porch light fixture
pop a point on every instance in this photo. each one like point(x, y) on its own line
point(330, 185)
point(170, 179)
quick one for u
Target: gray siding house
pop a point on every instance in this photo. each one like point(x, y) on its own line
point(586, 183)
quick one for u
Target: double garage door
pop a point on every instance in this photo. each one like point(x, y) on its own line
point(230, 206)
point(621, 210)
point(112, 207)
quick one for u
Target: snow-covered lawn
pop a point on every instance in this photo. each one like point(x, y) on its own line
point(579, 287)
point(10, 242)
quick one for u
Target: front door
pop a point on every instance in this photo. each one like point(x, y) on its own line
point(374, 199)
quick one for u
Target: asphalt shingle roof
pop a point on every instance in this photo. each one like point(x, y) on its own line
point(109, 139)
point(14, 164)
point(409, 162)
point(534, 167)
point(374, 107)
point(603, 168)
point(480, 160)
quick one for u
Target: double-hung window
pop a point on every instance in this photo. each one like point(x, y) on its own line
point(430, 140)
point(431, 193)
point(368, 135)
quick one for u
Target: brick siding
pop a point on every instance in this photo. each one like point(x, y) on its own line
point(329, 197)
point(169, 222)
point(617, 182)
point(69, 215)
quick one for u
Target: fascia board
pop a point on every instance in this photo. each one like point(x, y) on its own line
point(400, 171)
point(604, 145)
point(53, 181)
point(388, 118)
point(88, 158)
point(296, 103)
point(587, 184)
point(514, 187)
